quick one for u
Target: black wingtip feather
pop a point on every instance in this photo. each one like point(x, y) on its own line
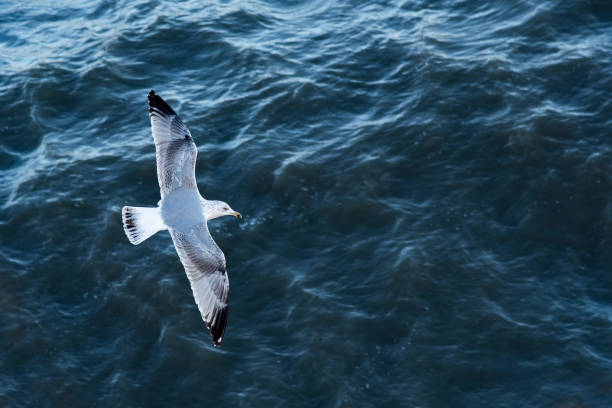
point(217, 329)
point(157, 103)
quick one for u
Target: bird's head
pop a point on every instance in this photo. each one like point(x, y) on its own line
point(215, 209)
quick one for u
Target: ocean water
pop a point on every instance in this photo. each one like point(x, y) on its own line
point(425, 187)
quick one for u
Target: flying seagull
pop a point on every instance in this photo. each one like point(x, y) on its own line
point(184, 213)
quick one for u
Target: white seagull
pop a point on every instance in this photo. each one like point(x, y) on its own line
point(184, 212)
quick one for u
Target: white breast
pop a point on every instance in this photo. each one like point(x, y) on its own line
point(182, 209)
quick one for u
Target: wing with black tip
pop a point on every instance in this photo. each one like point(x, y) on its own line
point(174, 147)
point(204, 264)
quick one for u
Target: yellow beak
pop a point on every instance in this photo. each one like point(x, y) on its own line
point(237, 214)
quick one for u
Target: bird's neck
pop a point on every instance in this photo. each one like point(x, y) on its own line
point(209, 209)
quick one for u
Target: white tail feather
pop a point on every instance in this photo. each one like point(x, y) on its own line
point(139, 223)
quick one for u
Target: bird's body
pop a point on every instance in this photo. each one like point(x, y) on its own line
point(183, 208)
point(184, 213)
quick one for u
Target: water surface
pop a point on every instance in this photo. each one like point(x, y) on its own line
point(425, 187)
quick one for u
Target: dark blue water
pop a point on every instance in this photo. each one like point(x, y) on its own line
point(425, 187)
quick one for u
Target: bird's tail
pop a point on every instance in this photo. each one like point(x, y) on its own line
point(139, 223)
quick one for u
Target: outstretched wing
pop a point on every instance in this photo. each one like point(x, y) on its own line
point(205, 267)
point(175, 150)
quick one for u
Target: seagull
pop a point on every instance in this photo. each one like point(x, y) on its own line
point(184, 213)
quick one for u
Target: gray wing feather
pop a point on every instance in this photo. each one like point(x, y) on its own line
point(175, 149)
point(204, 264)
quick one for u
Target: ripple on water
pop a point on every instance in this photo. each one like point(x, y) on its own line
point(425, 189)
